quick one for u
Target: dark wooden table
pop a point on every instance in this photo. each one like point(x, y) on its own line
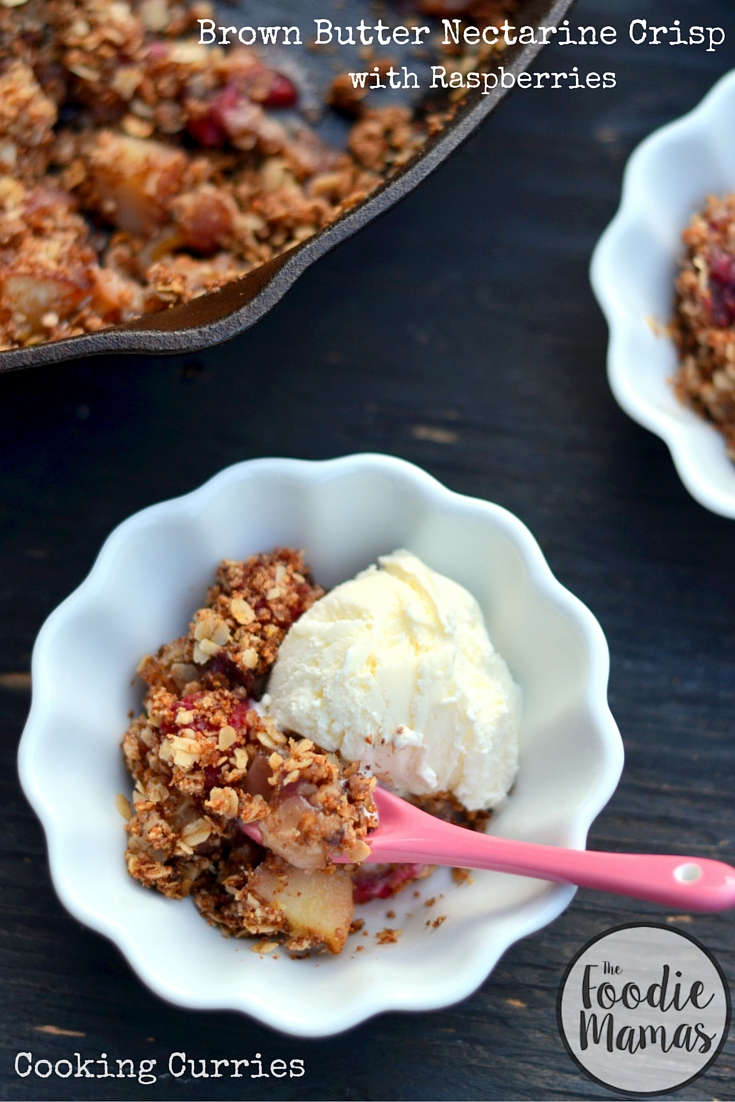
point(460, 333)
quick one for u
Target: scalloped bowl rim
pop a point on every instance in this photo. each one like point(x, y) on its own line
point(697, 449)
point(361, 1004)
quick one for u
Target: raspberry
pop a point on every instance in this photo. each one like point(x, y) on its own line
point(282, 93)
point(722, 288)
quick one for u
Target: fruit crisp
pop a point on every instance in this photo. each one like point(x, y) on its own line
point(140, 169)
point(704, 325)
point(206, 761)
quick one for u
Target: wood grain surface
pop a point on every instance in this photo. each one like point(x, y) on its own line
point(460, 333)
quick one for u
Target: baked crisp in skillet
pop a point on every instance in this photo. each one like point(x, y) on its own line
point(163, 168)
point(166, 168)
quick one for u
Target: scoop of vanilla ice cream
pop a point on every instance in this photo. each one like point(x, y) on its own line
point(395, 669)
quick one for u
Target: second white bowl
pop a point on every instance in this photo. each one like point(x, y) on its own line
point(634, 267)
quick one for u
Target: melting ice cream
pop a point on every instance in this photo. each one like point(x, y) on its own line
point(396, 670)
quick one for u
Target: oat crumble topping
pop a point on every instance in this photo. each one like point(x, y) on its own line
point(704, 324)
point(205, 761)
point(233, 642)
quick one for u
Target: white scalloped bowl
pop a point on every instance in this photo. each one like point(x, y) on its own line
point(634, 266)
point(150, 575)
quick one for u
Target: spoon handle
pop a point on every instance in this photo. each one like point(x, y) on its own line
point(688, 883)
point(691, 884)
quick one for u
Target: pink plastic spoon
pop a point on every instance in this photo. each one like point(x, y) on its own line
point(406, 834)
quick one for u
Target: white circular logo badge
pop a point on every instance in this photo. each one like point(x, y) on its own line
point(643, 1009)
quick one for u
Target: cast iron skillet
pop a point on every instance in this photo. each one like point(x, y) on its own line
point(222, 314)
